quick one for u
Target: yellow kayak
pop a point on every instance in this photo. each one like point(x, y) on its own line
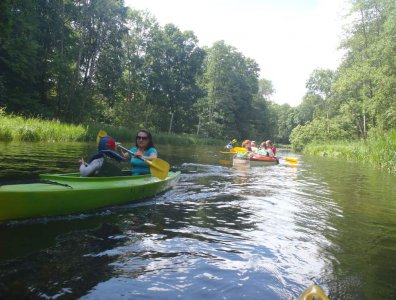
point(314, 292)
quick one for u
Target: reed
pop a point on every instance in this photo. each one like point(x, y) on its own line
point(378, 150)
point(19, 128)
point(123, 134)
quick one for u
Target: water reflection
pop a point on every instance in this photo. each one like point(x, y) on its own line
point(21, 160)
point(264, 233)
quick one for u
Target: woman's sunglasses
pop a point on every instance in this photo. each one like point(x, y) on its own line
point(143, 138)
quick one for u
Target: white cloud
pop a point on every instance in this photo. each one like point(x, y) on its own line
point(287, 40)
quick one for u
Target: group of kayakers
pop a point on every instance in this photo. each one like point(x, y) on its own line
point(105, 162)
point(266, 148)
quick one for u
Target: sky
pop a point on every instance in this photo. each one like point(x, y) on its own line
point(289, 39)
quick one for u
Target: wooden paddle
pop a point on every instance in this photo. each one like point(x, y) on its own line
point(158, 168)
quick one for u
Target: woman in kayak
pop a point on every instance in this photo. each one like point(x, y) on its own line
point(254, 146)
point(144, 147)
point(270, 146)
point(266, 150)
point(247, 144)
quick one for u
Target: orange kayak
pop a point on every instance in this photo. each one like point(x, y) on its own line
point(264, 159)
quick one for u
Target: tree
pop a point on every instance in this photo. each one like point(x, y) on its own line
point(174, 61)
point(366, 80)
point(231, 83)
point(19, 50)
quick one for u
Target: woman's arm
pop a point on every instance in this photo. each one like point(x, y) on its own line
point(152, 154)
point(126, 155)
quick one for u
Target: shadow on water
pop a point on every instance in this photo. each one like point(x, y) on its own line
point(262, 233)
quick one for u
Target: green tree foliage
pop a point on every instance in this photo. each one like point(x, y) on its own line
point(176, 61)
point(305, 112)
point(367, 76)
point(319, 130)
point(19, 55)
point(231, 83)
point(360, 95)
point(97, 61)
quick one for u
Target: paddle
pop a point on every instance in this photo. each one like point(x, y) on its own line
point(291, 160)
point(159, 168)
point(101, 134)
point(235, 150)
point(239, 150)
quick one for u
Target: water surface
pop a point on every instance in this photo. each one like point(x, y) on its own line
point(221, 233)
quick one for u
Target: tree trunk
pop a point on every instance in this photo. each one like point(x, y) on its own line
point(170, 123)
point(199, 125)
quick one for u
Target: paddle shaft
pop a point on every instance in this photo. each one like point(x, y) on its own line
point(131, 153)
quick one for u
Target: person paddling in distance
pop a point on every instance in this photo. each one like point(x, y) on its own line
point(230, 144)
point(254, 146)
point(270, 146)
point(247, 144)
point(264, 148)
point(144, 147)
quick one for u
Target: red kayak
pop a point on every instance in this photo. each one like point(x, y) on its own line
point(264, 159)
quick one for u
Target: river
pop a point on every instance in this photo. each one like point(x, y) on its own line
point(221, 233)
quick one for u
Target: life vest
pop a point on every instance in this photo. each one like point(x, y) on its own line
point(106, 147)
point(109, 153)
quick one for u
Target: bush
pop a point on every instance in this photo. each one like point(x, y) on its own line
point(319, 130)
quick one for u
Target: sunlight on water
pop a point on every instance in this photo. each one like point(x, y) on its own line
point(258, 233)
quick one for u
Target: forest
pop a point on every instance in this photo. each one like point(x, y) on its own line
point(100, 62)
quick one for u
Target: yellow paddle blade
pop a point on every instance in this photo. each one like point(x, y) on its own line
point(291, 160)
point(238, 149)
point(100, 135)
point(159, 168)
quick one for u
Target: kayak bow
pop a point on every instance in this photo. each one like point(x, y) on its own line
point(314, 292)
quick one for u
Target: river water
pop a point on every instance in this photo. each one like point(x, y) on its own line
point(267, 232)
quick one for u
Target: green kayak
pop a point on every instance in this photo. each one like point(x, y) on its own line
point(62, 194)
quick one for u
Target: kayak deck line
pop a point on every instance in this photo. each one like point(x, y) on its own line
point(54, 182)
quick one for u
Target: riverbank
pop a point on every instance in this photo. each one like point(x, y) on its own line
point(378, 150)
point(17, 128)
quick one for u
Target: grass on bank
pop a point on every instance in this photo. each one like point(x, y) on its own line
point(17, 128)
point(377, 150)
point(123, 134)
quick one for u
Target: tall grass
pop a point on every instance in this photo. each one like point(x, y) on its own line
point(128, 135)
point(30, 129)
point(378, 150)
point(17, 128)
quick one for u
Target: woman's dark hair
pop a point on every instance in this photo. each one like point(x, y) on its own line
point(150, 138)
